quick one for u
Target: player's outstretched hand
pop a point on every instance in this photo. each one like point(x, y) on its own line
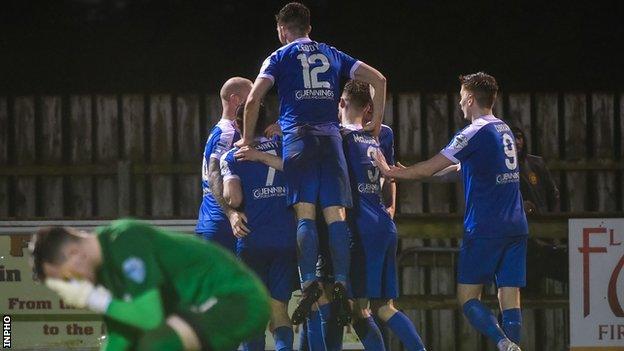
point(248, 153)
point(238, 221)
point(380, 162)
point(243, 142)
point(81, 293)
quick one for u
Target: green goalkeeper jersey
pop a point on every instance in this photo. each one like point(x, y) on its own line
point(153, 273)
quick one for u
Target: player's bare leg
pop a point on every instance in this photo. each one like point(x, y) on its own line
point(398, 323)
point(335, 217)
point(307, 255)
point(365, 327)
point(280, 325)
point(187, 335)
point(481, 318)
point(509, 301)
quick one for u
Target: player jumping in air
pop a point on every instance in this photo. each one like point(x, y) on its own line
point(308, 74)
point(373, 268)
point(212, 223)
point(495, 225)
point(156, 290)
point(267, 242)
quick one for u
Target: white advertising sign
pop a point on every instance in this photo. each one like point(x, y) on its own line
point(596, 252)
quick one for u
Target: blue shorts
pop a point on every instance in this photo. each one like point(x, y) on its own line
point(219, 232)
point(373, 262)
point(502, 260)
point(276, 267)
point(315, 169)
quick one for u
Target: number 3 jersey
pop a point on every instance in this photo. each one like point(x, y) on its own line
point(368, 212)
point(307, 75)
point(487, 153)
point(271, 221)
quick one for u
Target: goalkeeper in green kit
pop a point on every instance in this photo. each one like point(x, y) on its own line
point(156, 290)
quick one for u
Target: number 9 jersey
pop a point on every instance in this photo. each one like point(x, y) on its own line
point(487, 152)
point(307, 75)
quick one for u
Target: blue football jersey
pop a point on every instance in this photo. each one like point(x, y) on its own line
point(487, 152)
point(386, 143)
point(271, 221)
point(222, 136)
point(308, 74)
point(368, 211)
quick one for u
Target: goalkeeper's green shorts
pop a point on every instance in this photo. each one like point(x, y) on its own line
point(222, 323)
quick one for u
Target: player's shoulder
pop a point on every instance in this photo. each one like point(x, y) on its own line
point(226, 126)
point(477, 126)
point(125, 229)
point(386, 131)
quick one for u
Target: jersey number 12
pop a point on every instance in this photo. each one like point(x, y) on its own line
point(310, 76)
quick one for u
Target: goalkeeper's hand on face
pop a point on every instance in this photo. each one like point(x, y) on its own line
point(81, 294)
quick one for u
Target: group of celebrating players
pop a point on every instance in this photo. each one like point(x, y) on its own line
point(310, 198)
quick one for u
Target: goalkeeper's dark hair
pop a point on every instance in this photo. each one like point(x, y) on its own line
point(263, 120)
point(46, 246)
point(295, 16)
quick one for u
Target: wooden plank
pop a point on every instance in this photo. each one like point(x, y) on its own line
point(575, 148)
point(438, 136)
point(497, 109)
point(81, 147)
point(213, 111)
point(413, 281)
point(388, 118)
point(442, 279)
point(189, 149)
point(469, 339)
point(443, 283)
point(161, 151)
point(603, 128)
point(528, 335)
point(132, 119)
point(547, 126)
point(409, 194)
point(4, 157)
point(519, 115)
point(106, 151)
point(25, 192)
point(52, 153)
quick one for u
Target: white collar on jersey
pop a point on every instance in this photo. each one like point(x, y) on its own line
point(486, 118)
point(301, 40)
point(350, 126)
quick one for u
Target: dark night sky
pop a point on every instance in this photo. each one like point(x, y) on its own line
point(193, 46)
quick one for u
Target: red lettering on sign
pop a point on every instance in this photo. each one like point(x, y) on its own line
point(614, 303)
point(586, 250)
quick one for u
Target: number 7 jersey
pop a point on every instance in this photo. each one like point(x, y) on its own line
point(487, 153)
point(307, 75)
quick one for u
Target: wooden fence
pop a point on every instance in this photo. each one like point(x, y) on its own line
point(104, 156)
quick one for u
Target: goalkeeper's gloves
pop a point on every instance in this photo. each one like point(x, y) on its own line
point(81, 294)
